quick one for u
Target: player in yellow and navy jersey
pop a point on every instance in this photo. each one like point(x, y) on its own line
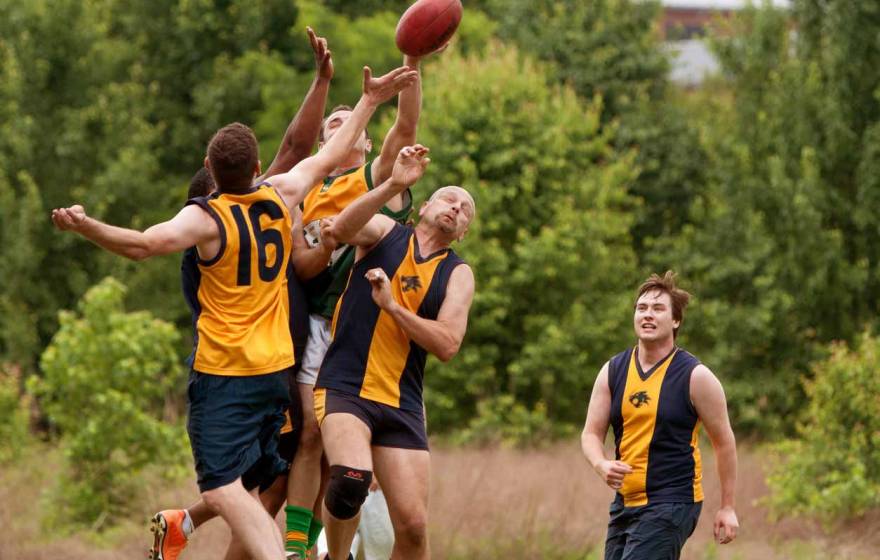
point(172, 528)
point(408, 295)
point(238, 388)
point(324, 269)
point(655, 396)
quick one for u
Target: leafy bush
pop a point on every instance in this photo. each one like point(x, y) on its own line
point(833, 469)
point(109, 377)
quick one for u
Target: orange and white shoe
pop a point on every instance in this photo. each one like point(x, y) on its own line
point(168, 537)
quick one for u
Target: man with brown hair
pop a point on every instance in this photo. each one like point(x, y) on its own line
point(172, 528)
point(238, 386)
point(654, 396)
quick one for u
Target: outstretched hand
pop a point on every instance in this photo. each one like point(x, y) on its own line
point(69, 218)
point(381, 89)
point(323, 57)
point(410, 165)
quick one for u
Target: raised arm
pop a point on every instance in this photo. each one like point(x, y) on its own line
point(707, 396)
point(191, 226)
point(403, 131)
point(302, 132)
point(441, 337)
point(295, 184)
point(595, 429)
point(356, 224)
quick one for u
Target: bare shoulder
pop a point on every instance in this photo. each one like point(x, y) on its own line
point(705, 387)
point(703, 376)
point(463, 273)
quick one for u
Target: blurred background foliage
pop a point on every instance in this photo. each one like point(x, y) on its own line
point(590, 170)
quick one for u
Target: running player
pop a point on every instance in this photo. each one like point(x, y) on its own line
point(409, 294)
point(172, 528)
point(238, 387)
point(654, 396)
point(325, 268)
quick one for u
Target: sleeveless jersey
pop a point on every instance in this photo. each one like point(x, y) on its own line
point(655, 429)
point(329, 198)
point(241, 309)
point(370, 355)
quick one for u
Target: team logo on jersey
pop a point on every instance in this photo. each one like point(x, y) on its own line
point(411, 283)
point(638, 399)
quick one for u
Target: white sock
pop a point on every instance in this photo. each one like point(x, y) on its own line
point(187, 524)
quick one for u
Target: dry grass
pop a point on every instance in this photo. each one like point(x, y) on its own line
point(501, 503)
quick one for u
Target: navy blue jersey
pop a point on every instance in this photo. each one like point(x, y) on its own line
point(656, 428)
point(371, 356)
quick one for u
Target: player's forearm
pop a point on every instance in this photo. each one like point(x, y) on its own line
point(433, 336)
point(356, 215)
point(303, 131)
point(593, 448)
point(409, 108)
point(726, 461)
point(309, 262)
point(339, 146)
point(128, 243)
point(405, 128)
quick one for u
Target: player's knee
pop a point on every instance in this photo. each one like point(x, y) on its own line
point(218, 498)
point(412, 530)
point(347, 491)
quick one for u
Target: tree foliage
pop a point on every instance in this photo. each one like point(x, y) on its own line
point(550, 246)
point(108, 387)
point(833, 468)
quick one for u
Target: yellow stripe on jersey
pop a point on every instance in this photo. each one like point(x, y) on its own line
point(698, 464)
point(638, 428)
point(243, 325)
point(390, 344)
point(320, 405)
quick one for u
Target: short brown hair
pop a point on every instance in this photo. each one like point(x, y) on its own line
point(333, 110)
point(666, 284)
point(201, 184)
point(233, 154)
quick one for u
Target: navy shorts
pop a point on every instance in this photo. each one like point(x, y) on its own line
point(651, 532)
point(389, 426)
point(234, 425)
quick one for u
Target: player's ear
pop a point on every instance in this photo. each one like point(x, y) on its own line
point(258, 169)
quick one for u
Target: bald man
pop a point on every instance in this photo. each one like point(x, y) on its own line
point(409, 294)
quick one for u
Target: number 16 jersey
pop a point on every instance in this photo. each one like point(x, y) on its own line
point(242, 310)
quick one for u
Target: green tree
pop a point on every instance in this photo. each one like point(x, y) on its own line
point(110, 377)
point(779, 247)
point(833, 468)
point(605, 47)
point(550, 245)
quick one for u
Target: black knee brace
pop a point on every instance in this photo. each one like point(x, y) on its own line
point(347, 491)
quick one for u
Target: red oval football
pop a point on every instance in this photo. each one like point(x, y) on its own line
point(427, 25)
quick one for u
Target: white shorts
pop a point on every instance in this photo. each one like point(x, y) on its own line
point(316, 348)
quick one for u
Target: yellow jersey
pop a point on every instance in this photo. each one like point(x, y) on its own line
point(241, 300)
